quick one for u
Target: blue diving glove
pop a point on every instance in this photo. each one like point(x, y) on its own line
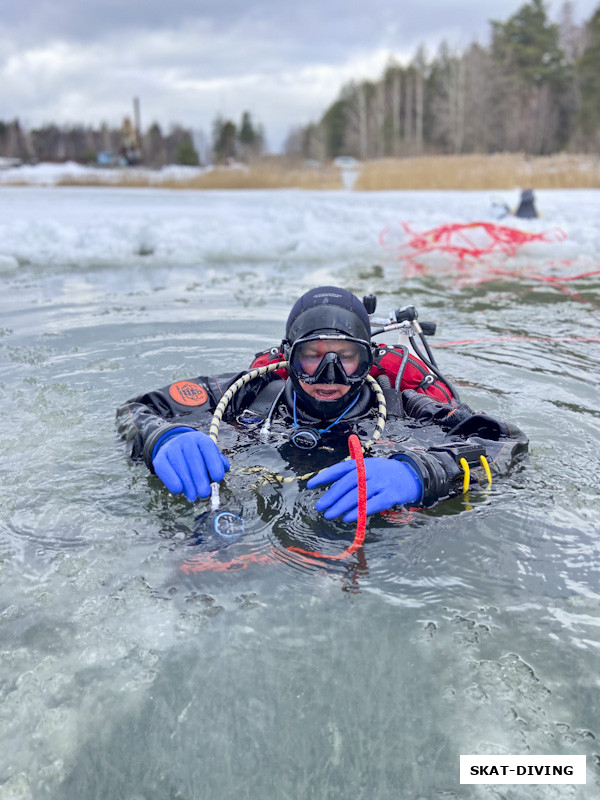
point(389, 483)
point(187, 461)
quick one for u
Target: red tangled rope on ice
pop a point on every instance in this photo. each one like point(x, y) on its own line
point(466, 241)
point(467, 246)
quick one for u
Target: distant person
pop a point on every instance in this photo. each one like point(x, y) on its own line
point(527, 209)
point(434, 446)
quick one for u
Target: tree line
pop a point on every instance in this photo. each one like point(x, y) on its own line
point(126, 146)
point(535, 89)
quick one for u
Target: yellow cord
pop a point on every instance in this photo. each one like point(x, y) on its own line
point(467, 472)
point(467, 475)
point(486, 469)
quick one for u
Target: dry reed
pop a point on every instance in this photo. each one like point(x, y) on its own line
point(259, 176)
point(472, 172)
point(502, 171)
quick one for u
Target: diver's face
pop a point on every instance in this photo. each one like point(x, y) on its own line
point(325, 391)
point(311, 356)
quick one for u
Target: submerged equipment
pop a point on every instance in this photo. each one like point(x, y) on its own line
point(208, 561)
point(234, 524)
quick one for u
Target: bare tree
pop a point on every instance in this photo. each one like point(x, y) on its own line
point(572, 37)
point(449, 102)
point(395, 110)
point(356, 136)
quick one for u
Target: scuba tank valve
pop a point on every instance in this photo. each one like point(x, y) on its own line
point(370, 303)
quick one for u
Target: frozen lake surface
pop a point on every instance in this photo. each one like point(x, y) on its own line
point(469, 628)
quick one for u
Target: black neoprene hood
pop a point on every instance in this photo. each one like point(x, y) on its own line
point(331, 309)
point(326, 310)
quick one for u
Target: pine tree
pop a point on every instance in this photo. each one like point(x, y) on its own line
point(224, 140)
point(334, 123)
point(186, 154)
point(533, 80)
point(250, 138)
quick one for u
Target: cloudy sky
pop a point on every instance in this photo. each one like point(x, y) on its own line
point(83, 61)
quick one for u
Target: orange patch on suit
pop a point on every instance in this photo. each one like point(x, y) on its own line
point(187, 393)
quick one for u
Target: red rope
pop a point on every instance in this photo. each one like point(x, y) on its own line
point(210, 561)
point(460, 239)
point(361, 523)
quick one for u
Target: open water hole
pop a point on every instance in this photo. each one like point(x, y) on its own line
point(469, 628)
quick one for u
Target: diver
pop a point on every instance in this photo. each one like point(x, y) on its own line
point(326, 380)
point(525, 210)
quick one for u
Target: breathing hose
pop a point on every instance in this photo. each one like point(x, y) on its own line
point(217, 418)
